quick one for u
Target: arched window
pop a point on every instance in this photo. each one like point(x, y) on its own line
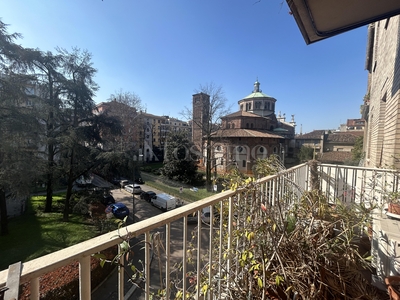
point(251, 125)
point(233, 125)
point(262, 149)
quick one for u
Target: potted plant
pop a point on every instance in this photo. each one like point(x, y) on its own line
point(394, 203)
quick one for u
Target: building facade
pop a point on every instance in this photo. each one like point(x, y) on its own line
point(381, 107)
point(254, 132)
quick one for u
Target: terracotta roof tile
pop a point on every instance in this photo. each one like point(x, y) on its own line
point(316, 134)
point(242, 113)
point(245, 133)
point(342, 137)
point(334, 156)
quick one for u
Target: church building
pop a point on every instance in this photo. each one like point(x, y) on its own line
point(251, 133)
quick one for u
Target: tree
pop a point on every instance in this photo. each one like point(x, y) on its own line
point(179, 165)
point(79, 139)
point(46, 67)
point(216, 109)
point(267, 166)
point(358, 153)
point(306, 153)
point(19, 162)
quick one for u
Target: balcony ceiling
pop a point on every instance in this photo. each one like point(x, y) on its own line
point(321, 19)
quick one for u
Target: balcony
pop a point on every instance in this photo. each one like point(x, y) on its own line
point(215, 254)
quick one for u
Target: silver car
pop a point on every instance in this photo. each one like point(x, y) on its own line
point(133, 188)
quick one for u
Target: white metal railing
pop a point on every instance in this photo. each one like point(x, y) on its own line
point(346, 183)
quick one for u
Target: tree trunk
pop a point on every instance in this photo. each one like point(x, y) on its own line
point(49, 187)
point(69, 188)
point(3, 213)
point(208, 167)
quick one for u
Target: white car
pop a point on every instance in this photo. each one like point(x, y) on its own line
point(133, 188)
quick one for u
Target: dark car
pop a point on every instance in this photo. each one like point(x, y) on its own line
point(139, 180)
point(118, 209)
point(148, 195)
point(108, 199)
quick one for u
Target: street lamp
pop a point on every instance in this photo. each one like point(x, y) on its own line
point(133, 190)
point(134, 158)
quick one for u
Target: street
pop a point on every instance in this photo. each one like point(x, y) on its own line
point(144, 210)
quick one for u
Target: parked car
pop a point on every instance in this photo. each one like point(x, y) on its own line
point(206, 216)
point(124, 182)
point(133, 188)
point(107, 199)
point(192, 218)
point(164, 201)
point(139, 180)
point(148, 195)
point(119, 210)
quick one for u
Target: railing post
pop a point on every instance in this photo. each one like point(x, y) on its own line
point(121, 276)
point(84, 278)
point(147, 262)
point(35, 289)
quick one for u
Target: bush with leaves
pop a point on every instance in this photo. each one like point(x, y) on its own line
point(306, 248)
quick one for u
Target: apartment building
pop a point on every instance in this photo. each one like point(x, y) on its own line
point(381, 107)
point(154, 133)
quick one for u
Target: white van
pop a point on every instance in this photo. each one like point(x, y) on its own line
point(164, 201)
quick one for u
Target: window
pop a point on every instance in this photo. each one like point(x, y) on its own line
point(218, 148)
point(261, 149)
point(244, 163)
point(233, 125)
point(247, 125)
point(275, 150)
point(239, 149)
point(251, 125)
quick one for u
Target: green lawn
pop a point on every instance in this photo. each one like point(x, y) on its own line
point(35, 233)
point(187, 194)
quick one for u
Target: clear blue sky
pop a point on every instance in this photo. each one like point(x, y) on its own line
point(163, 50)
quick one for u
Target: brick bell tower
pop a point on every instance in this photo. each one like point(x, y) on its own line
point(201, 106)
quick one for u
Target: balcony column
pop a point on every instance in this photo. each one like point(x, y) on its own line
point(84, 278)
point(121, 276)
point(35, 295)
